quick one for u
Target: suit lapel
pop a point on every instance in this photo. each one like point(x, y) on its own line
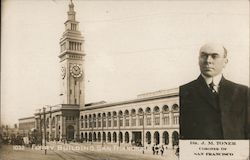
point(226, 94)
point(205, 93)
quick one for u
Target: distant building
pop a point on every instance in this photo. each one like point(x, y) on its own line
point(26, 125)
point(8, 132)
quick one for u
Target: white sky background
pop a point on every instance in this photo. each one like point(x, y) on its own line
point(131, 47)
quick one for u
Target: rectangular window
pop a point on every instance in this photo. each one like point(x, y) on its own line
point(133, 122)
point(104, 122)
point(127, 121)
point(157, 120)
point(165, 120)
point(141, 121)
point(90, 124)
point(121, 122)
point(94, 123)
point(115, 122)
point(176, 119)
point(109, 122)
point(99, 122)
point(149, 120)
point(86, 124)
point(70, 91)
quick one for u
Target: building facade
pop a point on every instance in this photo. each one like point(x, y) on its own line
point(149, 119)
point(152, 118)
point(26, 125)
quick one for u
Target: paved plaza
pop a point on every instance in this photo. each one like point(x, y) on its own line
point(79, 151)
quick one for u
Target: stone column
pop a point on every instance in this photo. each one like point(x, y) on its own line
point(77, 129)
point(170, 118)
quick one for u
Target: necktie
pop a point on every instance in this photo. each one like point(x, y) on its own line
point(212, 87)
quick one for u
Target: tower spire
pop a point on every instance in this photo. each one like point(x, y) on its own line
point(71, 12)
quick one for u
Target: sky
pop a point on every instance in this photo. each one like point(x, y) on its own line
point(131, 47)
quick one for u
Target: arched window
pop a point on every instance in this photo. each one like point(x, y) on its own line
point(90, 121)
point(104, 120)
point(133, 117)
point(175, 138)
point(148, 137)
point(156, 138)
point(126, 118)
point(175, 109)
point(104, 137)
point(156, 115)
point(120, 137)
point(126, 137)
point(165, 115)
point(99, 137)
point(120, 118)
point(165, 138)
point(141, 116)
point(94, 137)
point(114, 137)
point(90, 136)
point(86, 136)
point(99, 117)
point(109, 137)
point(114, 119)
point(94, 120)
point(109, 119)
point(86, 121)
point(148, 116)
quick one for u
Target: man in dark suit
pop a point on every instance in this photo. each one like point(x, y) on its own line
point(212, 107)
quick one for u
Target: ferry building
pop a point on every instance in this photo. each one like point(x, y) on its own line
point(150, 118)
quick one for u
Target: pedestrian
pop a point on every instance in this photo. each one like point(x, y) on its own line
point(153, 149)
point(156, 149)
point(162, 150)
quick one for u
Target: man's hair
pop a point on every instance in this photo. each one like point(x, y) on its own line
point(225, 52)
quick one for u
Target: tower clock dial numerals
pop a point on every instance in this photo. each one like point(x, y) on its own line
point(76, 71)
point(63, 72)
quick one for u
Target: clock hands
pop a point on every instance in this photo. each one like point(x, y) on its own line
point(76, 71)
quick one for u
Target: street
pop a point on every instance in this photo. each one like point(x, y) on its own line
point(77, 151)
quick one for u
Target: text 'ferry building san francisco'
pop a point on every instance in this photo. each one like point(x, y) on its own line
point(151, 118)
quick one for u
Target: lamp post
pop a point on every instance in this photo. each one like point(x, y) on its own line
point(44, 122)
point(102, 129)
point(40, 127)
point(92, 123)
point(143, 132)
point(119, 138)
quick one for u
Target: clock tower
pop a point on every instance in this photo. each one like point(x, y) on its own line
point(72, 62)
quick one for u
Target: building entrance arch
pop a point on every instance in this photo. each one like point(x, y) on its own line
point(126, 137)
point(165, 138)
point(175, 138)
point(148, 137)
point(156, 138)
point(70, 131)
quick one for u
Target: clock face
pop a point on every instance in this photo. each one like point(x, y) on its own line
point(63, 72)
point(76, 71)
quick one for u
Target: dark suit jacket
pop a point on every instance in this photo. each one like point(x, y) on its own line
point(202, 118)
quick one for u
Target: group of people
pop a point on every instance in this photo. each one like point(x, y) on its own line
point(158, 149)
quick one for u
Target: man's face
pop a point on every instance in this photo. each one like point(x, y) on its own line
point(212, 59)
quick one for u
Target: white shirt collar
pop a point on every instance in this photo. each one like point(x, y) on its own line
point(216, 79)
